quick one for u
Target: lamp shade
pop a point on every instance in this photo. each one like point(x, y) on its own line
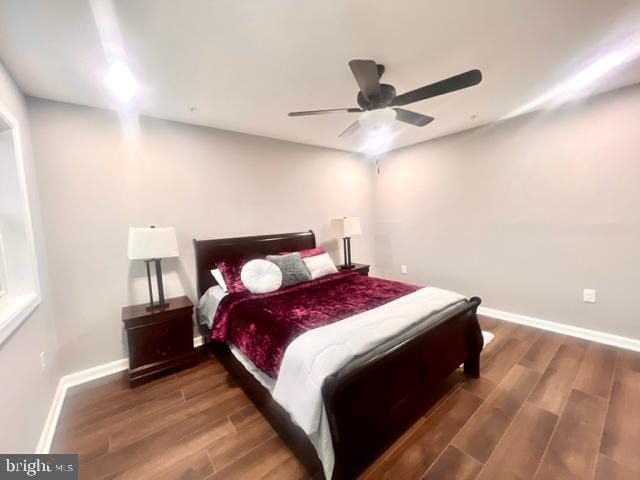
point(147, 243)
point(348, 226)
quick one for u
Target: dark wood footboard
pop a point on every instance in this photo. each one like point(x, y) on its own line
point(372, 404)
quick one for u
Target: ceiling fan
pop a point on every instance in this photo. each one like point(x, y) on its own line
point(374, 95)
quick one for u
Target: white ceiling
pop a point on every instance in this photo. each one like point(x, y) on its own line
point(245, 63)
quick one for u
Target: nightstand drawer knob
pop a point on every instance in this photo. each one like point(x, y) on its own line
point(164, 352)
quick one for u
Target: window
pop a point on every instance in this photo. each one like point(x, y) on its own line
point(19, 283)
point(3, 270)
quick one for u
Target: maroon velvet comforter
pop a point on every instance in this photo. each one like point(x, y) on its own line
point(262, 326)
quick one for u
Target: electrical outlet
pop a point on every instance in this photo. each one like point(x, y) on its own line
point(403, 269)
point(589, 295)
point(43, 359)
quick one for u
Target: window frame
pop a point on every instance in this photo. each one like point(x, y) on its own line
point(16, 307)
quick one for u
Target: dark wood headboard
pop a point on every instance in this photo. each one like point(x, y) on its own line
point(208, 252)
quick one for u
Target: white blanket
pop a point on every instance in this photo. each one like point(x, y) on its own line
point(316, 354)
point(208, 305)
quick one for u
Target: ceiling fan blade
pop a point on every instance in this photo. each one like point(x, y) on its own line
point(366, 74)
point(350, 129)
point(451, 84)
point(413, 118)
point(322, 112)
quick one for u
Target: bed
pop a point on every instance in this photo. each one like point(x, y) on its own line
point(372, 399)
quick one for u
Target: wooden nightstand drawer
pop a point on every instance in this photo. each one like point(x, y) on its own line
point(159, 340)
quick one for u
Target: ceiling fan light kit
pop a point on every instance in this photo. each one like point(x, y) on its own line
point(379, 102)
point(375, 119)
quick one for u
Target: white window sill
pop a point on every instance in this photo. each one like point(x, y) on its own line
point(14, 310)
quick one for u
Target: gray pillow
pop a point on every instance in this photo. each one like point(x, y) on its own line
point(293, 268)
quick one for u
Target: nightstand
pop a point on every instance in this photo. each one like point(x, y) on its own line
point(160, 340)
point(361, 268)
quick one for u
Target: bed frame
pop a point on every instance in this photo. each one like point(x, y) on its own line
point(368, 403)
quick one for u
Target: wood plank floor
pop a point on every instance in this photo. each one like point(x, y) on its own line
point(546, 407)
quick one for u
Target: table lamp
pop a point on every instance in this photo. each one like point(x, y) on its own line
point(348, 227)
point(152, 245)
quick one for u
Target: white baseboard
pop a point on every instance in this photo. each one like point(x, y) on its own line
point(592, 335)
point(49, 428)
point(73, 379)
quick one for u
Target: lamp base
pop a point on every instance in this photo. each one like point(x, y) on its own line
point(161, 303)
point(347, 267)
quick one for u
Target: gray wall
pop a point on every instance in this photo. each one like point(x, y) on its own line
point(96, 180)
point(525, 213)
point(27, 389)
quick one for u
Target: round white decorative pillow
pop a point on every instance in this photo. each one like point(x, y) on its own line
point(261, 276)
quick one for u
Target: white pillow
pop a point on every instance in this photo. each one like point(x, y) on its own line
point(320, 265)
point(217, 274)
point(261, 276)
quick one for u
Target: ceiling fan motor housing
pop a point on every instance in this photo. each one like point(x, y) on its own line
point(387, 94)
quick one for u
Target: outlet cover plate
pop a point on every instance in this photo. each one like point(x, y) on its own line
point(589, 295)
